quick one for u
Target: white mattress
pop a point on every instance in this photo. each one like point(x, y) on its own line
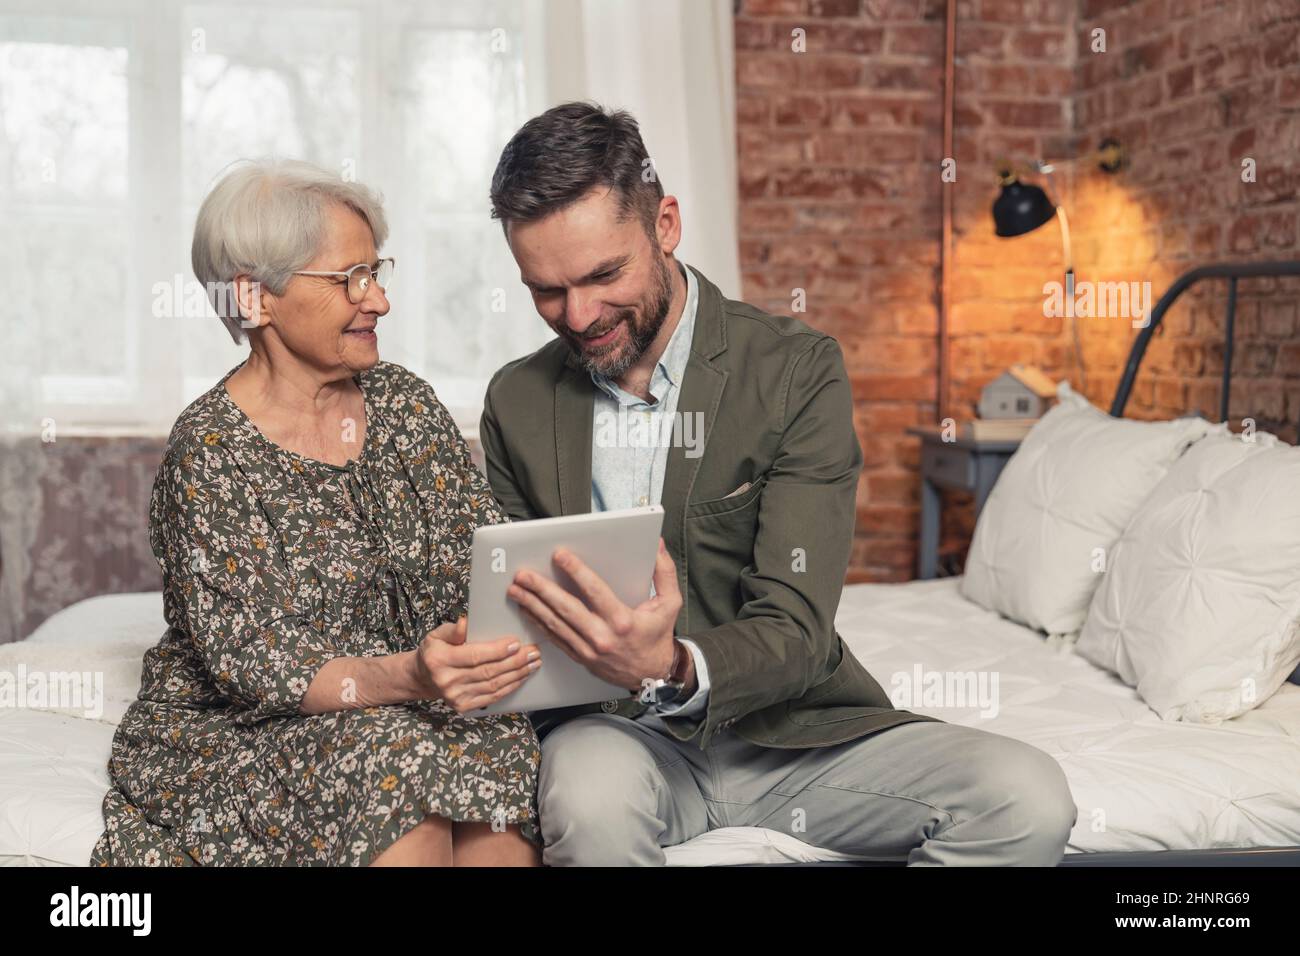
point(53, 775)
point(1159, 785)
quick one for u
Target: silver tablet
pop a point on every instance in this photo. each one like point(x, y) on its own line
point(620, 546)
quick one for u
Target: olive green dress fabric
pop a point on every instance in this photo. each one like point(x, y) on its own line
point(272, 565)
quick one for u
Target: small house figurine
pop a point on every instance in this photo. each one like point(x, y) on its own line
point(1019, 392)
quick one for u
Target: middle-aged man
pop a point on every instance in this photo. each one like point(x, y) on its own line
point(757, 714)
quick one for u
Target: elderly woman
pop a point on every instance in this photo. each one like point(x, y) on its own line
point(312, 517)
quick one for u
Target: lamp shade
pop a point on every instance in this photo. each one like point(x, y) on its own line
point(1020, 208)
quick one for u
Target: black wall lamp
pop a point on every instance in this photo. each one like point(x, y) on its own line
point(1022, 207)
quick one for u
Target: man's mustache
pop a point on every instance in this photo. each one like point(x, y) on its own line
point(625, 316)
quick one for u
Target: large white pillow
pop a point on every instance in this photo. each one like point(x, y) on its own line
point(108, 618)
point(102, 640)
point(1200, 607)
point(1058, 506)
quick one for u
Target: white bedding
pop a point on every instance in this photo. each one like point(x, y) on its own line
point(1140, 783)
point(53, 775)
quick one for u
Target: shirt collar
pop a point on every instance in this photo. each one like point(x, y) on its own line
point(671, 367)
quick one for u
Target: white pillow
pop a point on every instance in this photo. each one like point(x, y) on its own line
point(95, 681)
point(109, 618)
point(1200, 607)
point(1058, 506)
point(103, 637)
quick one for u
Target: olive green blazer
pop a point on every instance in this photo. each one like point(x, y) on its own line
point(760, 571)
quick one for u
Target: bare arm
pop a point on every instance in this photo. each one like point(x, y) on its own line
point(350, 683)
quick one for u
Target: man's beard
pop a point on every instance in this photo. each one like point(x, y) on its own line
point(654, 308)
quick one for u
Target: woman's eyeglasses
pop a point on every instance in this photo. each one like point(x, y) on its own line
point(359, 277)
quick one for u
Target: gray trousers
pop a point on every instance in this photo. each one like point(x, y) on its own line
point(615, 792)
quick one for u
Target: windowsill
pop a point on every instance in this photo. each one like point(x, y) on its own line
point(89, 431)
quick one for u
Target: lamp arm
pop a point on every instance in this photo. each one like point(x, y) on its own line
point(1069, 296)
point(1110, 157)
point(1065, 232)
point(1065, 244)
point(1068, 252)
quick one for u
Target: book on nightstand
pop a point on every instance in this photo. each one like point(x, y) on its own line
point(999, 429)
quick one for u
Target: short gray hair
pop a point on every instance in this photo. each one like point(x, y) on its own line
point(265, 219)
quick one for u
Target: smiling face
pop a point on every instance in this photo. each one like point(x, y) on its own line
point(600, 281)
point(314, 320)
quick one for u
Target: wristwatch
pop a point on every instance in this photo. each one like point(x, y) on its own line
point(659, 692)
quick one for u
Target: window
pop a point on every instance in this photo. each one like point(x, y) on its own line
point(117, 117)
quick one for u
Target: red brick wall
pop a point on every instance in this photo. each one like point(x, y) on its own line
point(1193, 89)
point(1014, 81)
point(839, 156)
point(838, 153)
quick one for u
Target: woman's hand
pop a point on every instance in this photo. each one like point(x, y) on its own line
point(469, 676)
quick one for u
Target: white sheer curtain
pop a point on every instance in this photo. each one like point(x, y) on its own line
point(117, 115)
point(671, 64)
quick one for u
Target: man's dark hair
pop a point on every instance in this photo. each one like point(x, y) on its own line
point(557, 158)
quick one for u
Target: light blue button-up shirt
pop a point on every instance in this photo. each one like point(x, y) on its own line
point(630, 439)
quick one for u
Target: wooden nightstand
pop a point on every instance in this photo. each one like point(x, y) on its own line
point(963, 464)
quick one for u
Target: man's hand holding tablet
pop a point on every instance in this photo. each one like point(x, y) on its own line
point(619, 644)
point(580, 587)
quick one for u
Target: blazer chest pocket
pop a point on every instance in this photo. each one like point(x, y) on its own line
point(732, 503)
point(720, 534)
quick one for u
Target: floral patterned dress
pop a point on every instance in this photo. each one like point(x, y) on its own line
point(273, 564)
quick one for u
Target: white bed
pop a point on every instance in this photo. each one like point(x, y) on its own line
point(1141, 784)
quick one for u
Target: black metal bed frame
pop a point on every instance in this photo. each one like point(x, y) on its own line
point(1223, 856)
point(1232, 271)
